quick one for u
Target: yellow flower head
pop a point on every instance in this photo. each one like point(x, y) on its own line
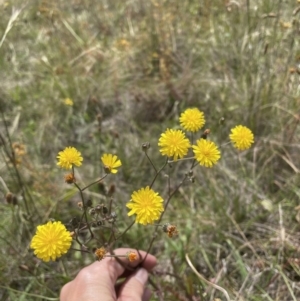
point(51, 241)
point(111, 163)
point(192, 120)
point(241, 137)
point(68, 157)
point(173, 143)
point(206, 152)
point(68, 102)
point(146, 204)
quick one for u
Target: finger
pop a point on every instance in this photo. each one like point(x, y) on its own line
point(147, 294)
point(109, 269)
point(101, 276)
point(133, 288)
point(144, 260)
point(65, 291)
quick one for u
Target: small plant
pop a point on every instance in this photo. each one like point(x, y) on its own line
point(53, 239)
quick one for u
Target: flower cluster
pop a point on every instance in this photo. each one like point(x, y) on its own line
point(174, 144)
point(70, 157)
point(52, 240)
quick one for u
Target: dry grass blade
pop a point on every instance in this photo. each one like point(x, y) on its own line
point(217, 287)
point(13, 18)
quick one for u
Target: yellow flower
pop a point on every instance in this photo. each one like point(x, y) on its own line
point(286, 25)
point(68, 157)
point(174, 143)
point(192, 120)
point(68, 102)
point(241, 137)
point(206, 152)
point(146, 204)
point(51, 241)
point(111, 163)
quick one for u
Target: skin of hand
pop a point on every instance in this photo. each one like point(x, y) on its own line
point(97, 282)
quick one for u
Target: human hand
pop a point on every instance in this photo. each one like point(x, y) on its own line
point(97, 282)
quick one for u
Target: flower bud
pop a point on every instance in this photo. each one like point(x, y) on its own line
point(92, 211)
point(145, 146)
point(100, 223)
point(111, 190)
point(205, 134)
point(221, 120)
point(74, 222)
point(70, 178)
point(113, 217)
point(89, 203)
point(11, 198)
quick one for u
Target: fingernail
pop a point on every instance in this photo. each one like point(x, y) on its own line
point(142, 276)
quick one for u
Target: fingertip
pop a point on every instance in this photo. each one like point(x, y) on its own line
point(141, 275)
point(150, 262)
point(147, 294)
point(64, 291)
point(133, 288)
point(146, 260)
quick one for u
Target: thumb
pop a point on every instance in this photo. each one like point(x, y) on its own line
point(133, 289)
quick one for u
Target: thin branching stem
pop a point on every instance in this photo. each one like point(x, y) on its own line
point(125, 231)
point(11, 155)
point(159, 171)
point(84, 211)
point(97, 181)
point(146, 154)
point(161, 216)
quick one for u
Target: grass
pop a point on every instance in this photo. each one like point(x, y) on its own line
point(131, 68)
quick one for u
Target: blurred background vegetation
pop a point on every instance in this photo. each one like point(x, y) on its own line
point(130, 68)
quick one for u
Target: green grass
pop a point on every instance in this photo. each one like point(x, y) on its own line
point(131, 68)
